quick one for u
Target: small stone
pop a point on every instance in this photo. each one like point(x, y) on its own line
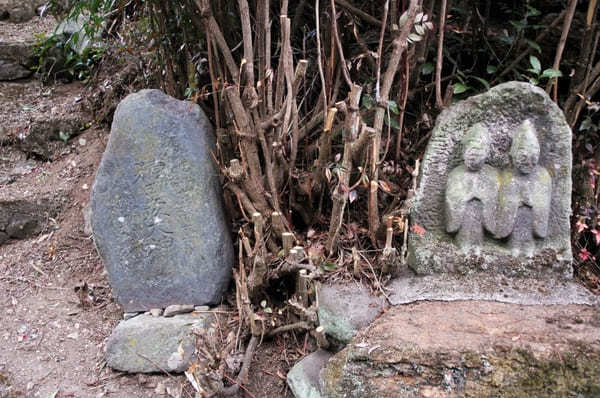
point(156, 312)
point(85, 187)
point(304, 379)
point(201, 308)
point(146, 344)
point(177, 309)
point(74, 335)
point(344, 309)
point(129, 315)
point(82, 141)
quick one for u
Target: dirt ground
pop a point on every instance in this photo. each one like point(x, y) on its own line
point(52, 336)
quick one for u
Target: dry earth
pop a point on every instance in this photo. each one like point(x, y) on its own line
point(53, 328)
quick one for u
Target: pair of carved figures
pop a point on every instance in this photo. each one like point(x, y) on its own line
point(511, 205)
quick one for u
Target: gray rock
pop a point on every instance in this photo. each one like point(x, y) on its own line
point(13, 71)
point(3, 237)
point(24, 218)
point(494, 193)
point(18, 11)
point(344, 309)
point(146, 344)
point(304, 379)
point(157, 211)
point(177, 309)
point(22, 226)
point(16, 59)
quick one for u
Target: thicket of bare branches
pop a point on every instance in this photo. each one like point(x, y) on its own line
point(322, 109)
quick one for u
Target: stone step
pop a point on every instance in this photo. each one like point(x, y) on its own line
point(17, 46)
point(25, 213)
point(470, 349)
point(37, 119)
point(19, 11)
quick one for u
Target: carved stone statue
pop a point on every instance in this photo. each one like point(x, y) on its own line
point(525, 195)
point(472, 193)
point(494, 192)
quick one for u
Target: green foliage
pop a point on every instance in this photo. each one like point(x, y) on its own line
point(68, 56)
point(536, 70)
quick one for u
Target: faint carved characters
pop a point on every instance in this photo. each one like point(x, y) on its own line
point(512, 203)
point(471, 192)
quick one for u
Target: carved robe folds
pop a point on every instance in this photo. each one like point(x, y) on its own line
point(495, 186)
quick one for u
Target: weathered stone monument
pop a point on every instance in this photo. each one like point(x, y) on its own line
point(488, 306)
point(495, 188)
point(157, 212)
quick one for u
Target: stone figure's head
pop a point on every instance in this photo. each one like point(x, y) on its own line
point(476, 144)
point(525, 150)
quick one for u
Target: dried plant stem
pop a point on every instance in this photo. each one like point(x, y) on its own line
point(400, 44)
point(561, 44)
point(439, 102)
point(340, 194)
point(319, 334)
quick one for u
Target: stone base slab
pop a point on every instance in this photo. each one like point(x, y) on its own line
point(452, 287)
point(471, 349)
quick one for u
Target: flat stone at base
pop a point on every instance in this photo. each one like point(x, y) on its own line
point(303, 378)
point(452, 287)
point(344, 309)
point(146, 344)
point(471, 349)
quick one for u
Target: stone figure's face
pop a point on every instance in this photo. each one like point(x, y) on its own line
point(475, 155)
point(525, 160)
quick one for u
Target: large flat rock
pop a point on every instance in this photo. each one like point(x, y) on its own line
point(157, 211)
point(471, 349)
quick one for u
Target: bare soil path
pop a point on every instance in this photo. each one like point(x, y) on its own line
point(56, 308)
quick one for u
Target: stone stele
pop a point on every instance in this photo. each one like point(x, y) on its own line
point(157, 213)
point(495, 188)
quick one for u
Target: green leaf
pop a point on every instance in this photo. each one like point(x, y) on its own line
point(551, 73)
point(533, 81)
point(367, 102)
point(535, 63)
point(460, 88)
point(427, 69)
point(586, 124)
point(394, 107)
point(535, 46)
point(519, 25)
point(491, 69)
point(482, 81)
point(327, 266)
point(533, 12)
point(64, 136)
point(393, 123)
